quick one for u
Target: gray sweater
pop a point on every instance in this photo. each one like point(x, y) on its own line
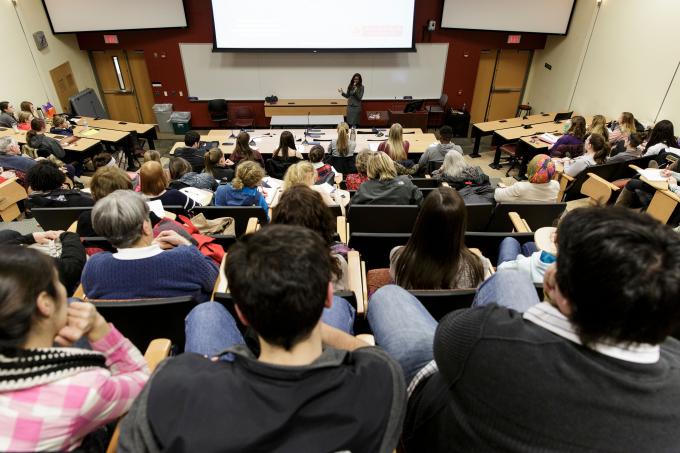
point(7, 120)
point(437, 153)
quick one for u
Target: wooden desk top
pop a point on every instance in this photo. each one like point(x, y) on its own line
point(491, 126)
point(516, 133)
point(308, 103)
point(81, 145)
point(123, 126)
point(227, 132)
point(534, 142)
point(105, 135)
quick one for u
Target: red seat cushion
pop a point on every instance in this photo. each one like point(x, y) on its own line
point(509, 149)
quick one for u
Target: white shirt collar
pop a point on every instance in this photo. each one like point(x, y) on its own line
point(550, 318)
point(317, 165)
point(138, 252)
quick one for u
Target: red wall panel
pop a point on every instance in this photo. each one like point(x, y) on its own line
point(161, 50)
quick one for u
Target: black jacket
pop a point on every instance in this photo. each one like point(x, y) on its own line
point(195, 156)
point(397, 191)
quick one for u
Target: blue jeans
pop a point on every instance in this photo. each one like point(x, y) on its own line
point(210, 328)
point(507, 288)
point(510, 248)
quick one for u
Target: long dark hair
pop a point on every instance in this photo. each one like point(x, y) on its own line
point(662, 133)
point(578, 127)
point(601, 147)
point(37, 125)
point(286, 142)
point(436, 253)
point(243, 146)
point(349, 87)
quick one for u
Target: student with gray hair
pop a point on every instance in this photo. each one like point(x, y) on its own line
point(11, 157)
point(143, 267)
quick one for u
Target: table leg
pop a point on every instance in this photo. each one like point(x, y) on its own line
point(477, 134)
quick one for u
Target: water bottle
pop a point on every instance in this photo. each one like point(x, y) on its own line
point(15, 128)
point(85, 123)
point(41, 115)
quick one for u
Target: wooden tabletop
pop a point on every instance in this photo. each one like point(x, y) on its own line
point(490, 126)
point(123, 126)
point(81, 145)
point(308, 102)
point(105, 135)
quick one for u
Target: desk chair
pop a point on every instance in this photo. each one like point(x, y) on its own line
point(244, 117)
point(218, 109)
point(523, 110)
point(58, 218)
point(382, 218)
point(441, 107)
point(536, 214)
point(11, 193)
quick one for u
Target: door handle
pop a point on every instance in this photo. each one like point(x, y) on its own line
point(506, 90)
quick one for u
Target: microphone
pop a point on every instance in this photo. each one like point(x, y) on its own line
point(307, 130)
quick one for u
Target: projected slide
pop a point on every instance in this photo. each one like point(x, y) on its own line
point(313, 25)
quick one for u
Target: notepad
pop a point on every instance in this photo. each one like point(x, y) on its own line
point(89, 132)
point(200, 196)
point(548, 138)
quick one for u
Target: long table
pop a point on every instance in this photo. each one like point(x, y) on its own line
point(306, 107)
point(148, 131)
point(480, 130)
point(80, 146)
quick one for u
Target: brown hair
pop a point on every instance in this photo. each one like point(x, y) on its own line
point(101, 160)
point(152, 155)
point(627, 122)
point(578, 127)
point(601, 147)
point(23, 117)
point(37, 125)
point(361, 161)
point(381, 167)
point(243, 146)
point(107, 180)
point(152, 179)
point(59, 120)
point(286, 144)
point(178, 167)
point(316, 154)
point(26, 106)
point(211, 159)
point(248, 174)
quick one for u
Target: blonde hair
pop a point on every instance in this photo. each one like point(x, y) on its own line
point(24, 117)
point(342, 143)
point(301, 173)
point(361, 160)
point(627, 122)
point(248, 174)
point(152, 155)
point(58, 121)
point(395, 142)
point(598, 125)
point(381, 167)
point(152, 179)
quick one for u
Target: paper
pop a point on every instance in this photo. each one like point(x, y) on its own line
point(156, 206)
point(548, 138)
point(200, 196)
point(652, 174)
point(89, 132)
point(373, 146)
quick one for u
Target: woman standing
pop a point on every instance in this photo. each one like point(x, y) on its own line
point(354, 95)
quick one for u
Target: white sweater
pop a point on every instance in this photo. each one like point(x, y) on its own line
point(524, 191)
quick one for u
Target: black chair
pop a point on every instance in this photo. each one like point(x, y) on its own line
point(142, 320)
point(425, 183)
point(336, 209)
point(58, 218)
point(241, 214)
point(489, 243)
point(426, 191)
point(97, 242)
point(218, 109)
point(478, 216)
point(537, 215)
point(382, 218)
point(344, 165)
point(439, 303)
point(433, 165)
point(276, 168)
point(375, 248)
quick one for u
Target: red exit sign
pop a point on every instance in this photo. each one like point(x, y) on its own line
point(514, 39)
point(110, 39)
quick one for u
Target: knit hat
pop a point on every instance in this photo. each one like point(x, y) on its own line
point(541, 169)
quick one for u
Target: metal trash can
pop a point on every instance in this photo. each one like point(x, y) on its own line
point(163, 112)
point(181, 122)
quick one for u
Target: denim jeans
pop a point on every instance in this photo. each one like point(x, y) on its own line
point(510, 248)
point(210, 328)
point(508, 288)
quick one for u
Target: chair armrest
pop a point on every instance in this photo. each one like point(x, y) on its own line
point(598, 189)
point(221, 278)
point(564, 181)
point(367, 338)
point(364, 285)
point(445, 184)
point(157, 351)
point(252, 225)
point(73, 227)
point(519, 224)
point(342, 228)
point(356, 279)
point(80, 292)
point(11, 192)
point(662, 205)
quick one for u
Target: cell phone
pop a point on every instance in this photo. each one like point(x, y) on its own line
point(122, 122)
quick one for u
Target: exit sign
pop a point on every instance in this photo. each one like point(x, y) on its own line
point(514, 39)
point(110, 39)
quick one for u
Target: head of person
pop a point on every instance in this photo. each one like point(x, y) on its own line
point(598, 146)
point(578, 127)
point(316, 154)
point(243, 145)
point(395, 141)
point(9, 146)
point(342, 143)
point(248, 174)
point(103, 160)
point(662, 132)
point(633, 141)
point(60, 122)
point(598, 121)
point(454, 164)
point(280, 291)
point(192, 139)
point(27, 106)
point(286, 144)
point(300, 173)
point(152, 179)
point(45, 176)
point(300, 205)
point(107, 180)
point(428, 261)
point(380, 167)
point(356, 80)
point(540, 169)
point(361, 161)
point(178, 167)
point(627, 122)
point(38, 125)
point(212, 159)
point(617, 276)
point(122, 217)
point(152, 155)
point(446, 134)
point(6, 107)
point(24, 117)
point(32, 299)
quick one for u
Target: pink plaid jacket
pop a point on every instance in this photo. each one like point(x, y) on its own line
point(57, 415)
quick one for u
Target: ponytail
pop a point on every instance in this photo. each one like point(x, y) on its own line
point(210, 160)
point(236, 183)
point(37, 125)
point(601, 148)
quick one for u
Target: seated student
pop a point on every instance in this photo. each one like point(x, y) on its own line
point(71, 261)
point(661, 140)
point(384, 186)
point(24, 121)
point(105, 181)
point(343, 146)
point(596, 151)
point(437, 153)
point(52, 397)
point(36, 138)
point(46, 181)
point(354, 180)
point(531, 258)
point(191, 152)
point(456, 172)
point(151, 155)
point(575, 135)
point(638, 194)
point(27, 106)
point(303, 173)
point(216, 166)
point(297, 395)
point(182, 175)
point(598, 125)
point(395, 146)
point(300, 205)
point(593, 369)
point(539, 187)
point(143, 267)
point(242, 191)
point(324, 172)
point(243, 151)
point(631, 149)
point(435, 256)
point(103, 160)
point(7, 118)
point(154, 183)
point(622, 128)
point(61, 126)
point(287, 149)
point(11, 157)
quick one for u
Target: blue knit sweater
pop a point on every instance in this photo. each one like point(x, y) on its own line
point(182, 271)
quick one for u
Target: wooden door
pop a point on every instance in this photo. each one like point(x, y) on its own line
point(64, 84)
point(482, 92)
point(142, 82)
point(511, 72)
point(116, 85)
